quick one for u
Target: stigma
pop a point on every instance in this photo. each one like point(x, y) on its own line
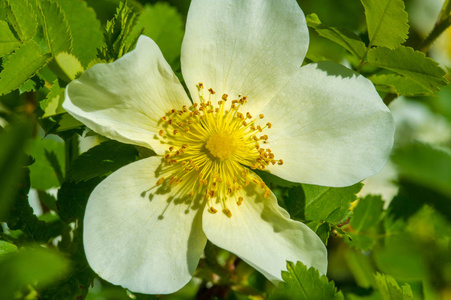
point(212, 144)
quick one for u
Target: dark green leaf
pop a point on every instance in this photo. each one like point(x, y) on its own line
point(411, 64)
point(32, 84)
point(328, 203)
point(425, 165)
point(21, 65)
point(102, 160)
point(13, 140)
point(386, 21)
point(367, 213)
point(85, 29)
point(6, 248)
point(300, 283)
point(56, 28)
point(347, 39)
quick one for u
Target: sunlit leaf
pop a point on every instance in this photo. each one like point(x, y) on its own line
point(411, 64)
point(23, 18)
point(367, 213)
point(386, 21)
point(301, 283)
point(8, 41)
point(21, 65)
point(390, 290)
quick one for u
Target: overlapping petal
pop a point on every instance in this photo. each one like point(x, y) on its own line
point(330, 127)
point(262, 234)
point(139, 235)
point(243, 47)
point(124, 100)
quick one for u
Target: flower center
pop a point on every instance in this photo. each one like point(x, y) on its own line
point(221, 145)
point(211, 148)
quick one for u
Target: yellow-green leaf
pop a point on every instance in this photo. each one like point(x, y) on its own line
point(23, 18)
point(8, 41)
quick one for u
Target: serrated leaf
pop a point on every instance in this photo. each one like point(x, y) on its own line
point(21, 65)
point(32, 84)
point(85, 28)
point(425, 165)
point(23, 18)
point(367, 213)
point(56, 28)
point(328, 203)
point(302, 283)
point(102, 160)
point(387, 22)
point(409, 63)
point(66, 66)
point(53, 103)
point(163, 24)
point(347, 39)
point(397, 84)
point(8, 41)
point(117, 32)
point(390, 290)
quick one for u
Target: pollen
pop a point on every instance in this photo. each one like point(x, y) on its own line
point(212, 147)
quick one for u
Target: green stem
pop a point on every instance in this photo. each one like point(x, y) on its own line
point(439, 28)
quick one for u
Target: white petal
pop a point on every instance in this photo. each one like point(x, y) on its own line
point(261, 233)
point(140, 236)
point(329, 126)
point(251, 48)
point(125, 99)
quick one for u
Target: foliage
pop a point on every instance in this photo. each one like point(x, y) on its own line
point(378, 249)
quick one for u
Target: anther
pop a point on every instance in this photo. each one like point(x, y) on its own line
point(261, 116)
point(269, 125)
point(227, 212)
point(200, 85)
point(240, 200)
point(160, 181)
point(280, 162)
point(211, 91)
point(161, 132)
point(224, 97)
point(212, 210)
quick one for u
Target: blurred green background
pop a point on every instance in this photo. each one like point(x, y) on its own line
point(404, 232)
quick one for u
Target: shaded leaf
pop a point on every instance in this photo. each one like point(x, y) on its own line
point(102, 160)
point(387, 22)
point(367, 213)
point(347, 39)
point(21, 65)
point(328, 203)
point(411, 64)
point(28, 267)
point(53, 103)
point(302, 283)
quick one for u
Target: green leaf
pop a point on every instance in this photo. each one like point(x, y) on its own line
point(85, 28)
point(28, 267)
point(411, 64)
point(32, 84)
point(22, 18)
point(361, 268)
point(397, 84)
point(302, 283)
point(42, 174)
point(426, 166)
point(56, 28)
point(328, 203)
point(347, 39)
point(102, 160)
point(8, 41)
point(6, 248)
point(117, 32)
point(390, 290)
point(164, 25)
point(66, 66)
point(13, 140)
point(387, 22)
point(53, 103)
point(367, 213)
point(21, 65)
point(361, 242)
